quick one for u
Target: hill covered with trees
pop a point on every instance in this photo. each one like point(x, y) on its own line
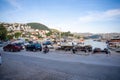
point(38, 26)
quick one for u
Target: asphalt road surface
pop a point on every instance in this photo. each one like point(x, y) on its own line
point(19, 67)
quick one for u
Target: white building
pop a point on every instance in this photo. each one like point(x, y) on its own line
point(17, 27)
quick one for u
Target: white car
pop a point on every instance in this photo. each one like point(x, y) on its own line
point(117, 50)
point(0, 59)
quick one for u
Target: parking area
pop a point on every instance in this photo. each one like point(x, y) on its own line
point(68, 56)
point(59, 65)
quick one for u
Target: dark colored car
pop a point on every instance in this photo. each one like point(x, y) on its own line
point(88, 48)
point(20, 45)
point(97, 50)
point(47, 43)
point(11, 47)
point(34, 47)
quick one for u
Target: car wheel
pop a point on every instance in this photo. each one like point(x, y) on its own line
point(7, 49)
point(12, 50)
point(34, 50)
point(40, 49)
point(4, 49)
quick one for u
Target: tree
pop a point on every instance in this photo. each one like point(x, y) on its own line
point(40, 36)
point(3, 32)
point(10, 37)
point(66, 34)
point(17, 34)
point(49, 33)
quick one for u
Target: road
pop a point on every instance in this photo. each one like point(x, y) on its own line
point(19, 67)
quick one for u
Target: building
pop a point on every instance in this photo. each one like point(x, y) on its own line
point(17, 27)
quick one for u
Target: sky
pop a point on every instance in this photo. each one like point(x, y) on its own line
point(93, 16)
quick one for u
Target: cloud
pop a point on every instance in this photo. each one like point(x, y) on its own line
point(101, 16)
point(14, 3)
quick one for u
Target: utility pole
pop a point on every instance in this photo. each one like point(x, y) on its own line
point(60, 34)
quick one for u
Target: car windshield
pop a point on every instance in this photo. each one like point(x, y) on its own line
point(37, 44)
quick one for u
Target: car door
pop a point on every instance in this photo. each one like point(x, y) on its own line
point(8, 47)
point(12, 47)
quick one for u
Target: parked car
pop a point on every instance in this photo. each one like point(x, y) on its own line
point(20, 45)
point(11, 47)
point(34, 47)
point(95, 50)
point(26, 43)
point(47, 43)
point(0, 59)
point(50, 46)
point(117, 49)
point(88, 47)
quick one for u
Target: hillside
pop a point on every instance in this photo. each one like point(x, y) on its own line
point(38, 26)
point(54, 30)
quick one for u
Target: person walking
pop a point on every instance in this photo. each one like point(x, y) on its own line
point(74, 49)
point(107, 51)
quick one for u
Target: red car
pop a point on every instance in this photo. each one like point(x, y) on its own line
point(11, 47)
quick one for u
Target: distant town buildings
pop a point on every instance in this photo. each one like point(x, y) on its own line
point(17, 27)
point(109, 36)
point(25, 29)
point(83, 34)
point(106, 36)
point(30, 32)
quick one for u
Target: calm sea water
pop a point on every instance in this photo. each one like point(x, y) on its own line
point(97, 44)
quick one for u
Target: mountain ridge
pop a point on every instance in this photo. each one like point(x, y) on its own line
point(39, 26)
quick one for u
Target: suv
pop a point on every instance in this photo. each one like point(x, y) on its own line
point(34, 47)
